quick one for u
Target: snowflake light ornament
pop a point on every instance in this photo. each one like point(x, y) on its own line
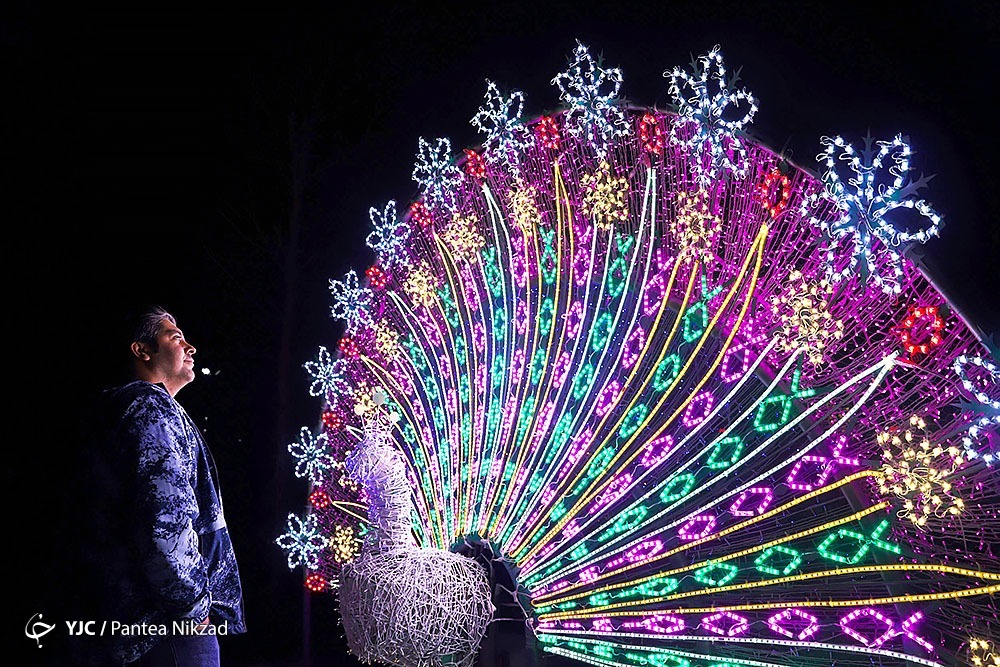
point(329, 377)
point(421, 285)
point(312, 457)
point(386, 340)
point(696, 227)
point(462, 237)
point(919, 473)
point(524, 211)
point(877, 188)
point(703, 129)
point(604, 197)
point(436, 174)
point(302, 542)
point(389, 237)
point(351, 302)
point(506, 135)
point(590, 111)
point(344, 544)
point(804, 316)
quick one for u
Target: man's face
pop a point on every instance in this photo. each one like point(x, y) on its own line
point(173, 361)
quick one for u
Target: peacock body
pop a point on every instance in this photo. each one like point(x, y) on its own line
point(698, 397)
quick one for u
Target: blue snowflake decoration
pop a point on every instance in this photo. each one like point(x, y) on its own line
point(389, 237)
point(703, 129)
point(590, 111)
point(351, 302)
point(436, 174)
point(876, 190)
point(506, 135)
point(311, 457)
point(329, 376)
point(303, 542)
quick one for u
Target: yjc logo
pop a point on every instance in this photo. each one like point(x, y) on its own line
point(38, 629)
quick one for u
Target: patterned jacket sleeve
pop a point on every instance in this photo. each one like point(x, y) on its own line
point(167, 541)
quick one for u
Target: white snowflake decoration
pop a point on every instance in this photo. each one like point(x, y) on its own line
point(863, 205)
point(388, 239)
point(350, 301)
point(989, 421)
point(312, 459)
point(506, 135)
point(590, 111)
point(715, 144)
point(302, 542)
point(329, 377)
point(436, 174)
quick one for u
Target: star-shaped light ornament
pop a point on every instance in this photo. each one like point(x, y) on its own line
point(920, 473)
point(591, 91)
point(706, 127)
point(803, 314)
point(874, 211)
point(462, 237)
point(695, 227)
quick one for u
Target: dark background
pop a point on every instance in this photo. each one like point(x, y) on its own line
point(223, 164)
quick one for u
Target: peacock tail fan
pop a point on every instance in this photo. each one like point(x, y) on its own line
point(697, 397)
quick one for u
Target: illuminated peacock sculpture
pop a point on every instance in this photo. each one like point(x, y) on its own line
point(698, 400)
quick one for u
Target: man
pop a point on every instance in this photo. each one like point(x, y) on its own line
point(168, 573)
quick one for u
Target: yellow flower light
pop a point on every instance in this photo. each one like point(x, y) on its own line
point(523, 208)
point(462, 237)
point(386, 340)
point(344, 544)
point(604, 197)
point(421, 285)
point(917, 471)
point(804, 316)
point(696, 227)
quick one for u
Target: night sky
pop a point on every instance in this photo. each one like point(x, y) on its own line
point(168, 158)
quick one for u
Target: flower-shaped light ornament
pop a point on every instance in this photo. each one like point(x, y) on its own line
point(711, 138)
point(876, 193)
point(590, 92)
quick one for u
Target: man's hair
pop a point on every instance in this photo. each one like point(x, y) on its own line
point(146, 326)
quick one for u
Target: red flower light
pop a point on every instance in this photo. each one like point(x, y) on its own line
point(316, 583)
point(651, 134)
point(421, 214)
point(332, 421)
point(921, 330)
point(475, 166)
point(547, 132)
point(377, 277)
point(774, 192)
point(320, 499)
point(348, 347)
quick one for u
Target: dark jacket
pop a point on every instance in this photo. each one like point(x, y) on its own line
point(159, 545)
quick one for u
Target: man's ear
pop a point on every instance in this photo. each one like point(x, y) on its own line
point(139, 351)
